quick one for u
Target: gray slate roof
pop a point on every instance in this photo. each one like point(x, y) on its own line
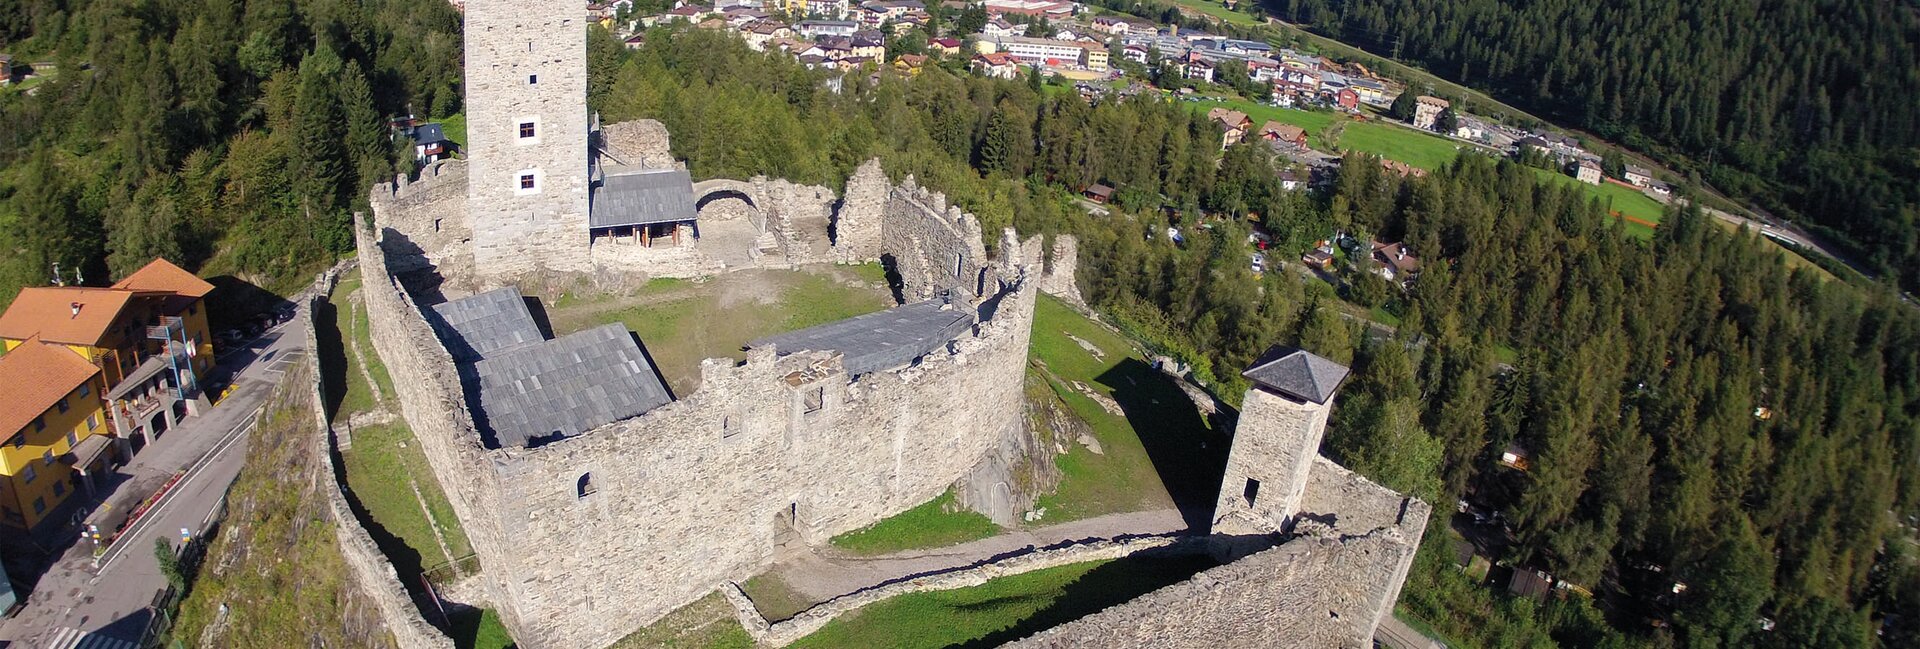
point(566, 386)
point(429, 134)
point(635, 196)
point(879, 341)
point(1297, 373)
point(478, 326)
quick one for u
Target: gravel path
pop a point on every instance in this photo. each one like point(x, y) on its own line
point(826, 573)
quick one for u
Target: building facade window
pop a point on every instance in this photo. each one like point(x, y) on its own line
point(40, 505)
point(39, 424)
point(73, 438)
point(584, 486)
point(526, 128)
point(61, 405)
point(27, 474)
point(533, 79)
point(1251, 491)
point(59, 489)
point(84, 389)
point(47, 456)
point(527, 182)
point(93, 421)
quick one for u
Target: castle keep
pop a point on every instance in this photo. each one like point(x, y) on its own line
point(597, 501)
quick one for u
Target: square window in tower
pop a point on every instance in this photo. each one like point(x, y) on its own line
point(526, 130)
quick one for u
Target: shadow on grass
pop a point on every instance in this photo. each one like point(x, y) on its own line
point(1112, 583)
point(1189, 455)
point(332, 352)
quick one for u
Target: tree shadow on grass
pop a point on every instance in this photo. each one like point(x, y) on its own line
point(1188, 453)
point(1112, 583)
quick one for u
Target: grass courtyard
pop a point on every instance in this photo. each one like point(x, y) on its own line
point(935, 523)
point(684, 322)
point(1003, 609)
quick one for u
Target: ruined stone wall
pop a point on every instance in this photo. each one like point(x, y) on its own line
point(798, 216)
point(934, 245)
point(640, 143)
point(856, 224)
point(1309, 593)
point(369, 567)
point(1340, 502)
point(430, 216)
point(431, 398)
point(1061, 279)
point(1275, 443)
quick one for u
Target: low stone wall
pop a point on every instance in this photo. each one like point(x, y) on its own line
point(430, 216)
point(780, 634)
point(1308, 593)
point(370, 568)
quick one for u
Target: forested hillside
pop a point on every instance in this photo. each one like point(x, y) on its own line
point(1806, 106)
point(232, 137)
point(1636, 368)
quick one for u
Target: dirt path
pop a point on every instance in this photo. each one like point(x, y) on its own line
point(826, 573)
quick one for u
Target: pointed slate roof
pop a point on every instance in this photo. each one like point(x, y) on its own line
point(1297, 373)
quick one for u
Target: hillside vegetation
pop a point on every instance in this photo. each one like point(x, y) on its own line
point(1693, 403)
point(1805, 106)
point(231, 137)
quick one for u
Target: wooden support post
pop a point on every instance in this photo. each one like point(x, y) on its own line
point(676, 235)
point(646, 236)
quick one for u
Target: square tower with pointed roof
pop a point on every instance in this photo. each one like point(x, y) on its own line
point(1282, 420)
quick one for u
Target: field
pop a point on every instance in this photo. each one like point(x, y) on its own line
point(684, 322)
point(1618, 199)
point(1396, 143)
point(1156, 453)
point(935, 523)
point(1218, 10)
point(1313, 121)
point(1004, 609)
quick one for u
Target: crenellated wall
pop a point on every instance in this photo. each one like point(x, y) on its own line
point(584, 540)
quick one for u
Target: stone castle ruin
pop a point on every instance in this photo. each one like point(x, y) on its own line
point(597, 500)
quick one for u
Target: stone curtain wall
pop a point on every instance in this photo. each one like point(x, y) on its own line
point(428, 389)
point(429, 216)
point(370, 569)
point(1344, 502)
point(787, 631)
point(638, 143)
point(1310, 593)
point(1061, 279)
point(934, 245)
point(710, 488)
point(509, 41)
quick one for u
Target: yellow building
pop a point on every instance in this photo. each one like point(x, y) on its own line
point(56, 429)
point(146, 346)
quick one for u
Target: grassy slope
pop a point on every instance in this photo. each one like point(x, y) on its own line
point(935, 523)
point(774, 597)
point(1396, 143)
point(1216, 9)
point(682, 323)
point(1161, 436)
point(1001, 610)
point(275, 562)
point(1313, 121)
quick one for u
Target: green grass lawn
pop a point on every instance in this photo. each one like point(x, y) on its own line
point(1313, 121)
point(340, 326)
point(1216, 9)
point(935, 523)
point(774, 597)
point(480, 629)
point(682, 323)
point(1159, 452)
point(1004, 609)
point(1618, 199)
point(708, 623)
point(383, 468)
point(1396, 143)
point(455, 128)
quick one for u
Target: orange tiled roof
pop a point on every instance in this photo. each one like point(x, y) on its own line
point(49, 312)
point(162, 275)
point(37, 374)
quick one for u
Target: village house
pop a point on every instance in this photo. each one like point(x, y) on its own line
point(1286, 134)
point(6, 69)
point(1426, 111)
point(1291, 180)
point(1587, 171)
point(1135, 53)
point(1098, 193)
point(818, 28)
point(1371, 92)
point(637, 41)
point(1234, 124)
point(1000, 28)
point(430, 143)
point(1638, 176)
point(1394, 262)
point(1320, 257)
point(94, 373)
point(1050, 9)
point(998, 65)
point(944, 46)
point(1402, 169)
point(909, 64)
point(1347, 99)
point(1120, 26)
point(1048, 52)
point(760, 33)
point(1195, 67)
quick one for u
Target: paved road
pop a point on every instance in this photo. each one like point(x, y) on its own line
point(111, 601)
point(826, 573)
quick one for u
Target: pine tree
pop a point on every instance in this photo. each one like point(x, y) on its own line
point(366, 139)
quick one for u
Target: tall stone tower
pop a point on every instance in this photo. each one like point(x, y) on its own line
point(527, 177)
point(1282, 420)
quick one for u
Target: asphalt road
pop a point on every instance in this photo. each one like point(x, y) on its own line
point(111, 600)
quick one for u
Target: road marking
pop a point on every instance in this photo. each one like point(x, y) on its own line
point(67, 637)
point(139, 527)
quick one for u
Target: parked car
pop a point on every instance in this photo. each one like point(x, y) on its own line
point(231, 335)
